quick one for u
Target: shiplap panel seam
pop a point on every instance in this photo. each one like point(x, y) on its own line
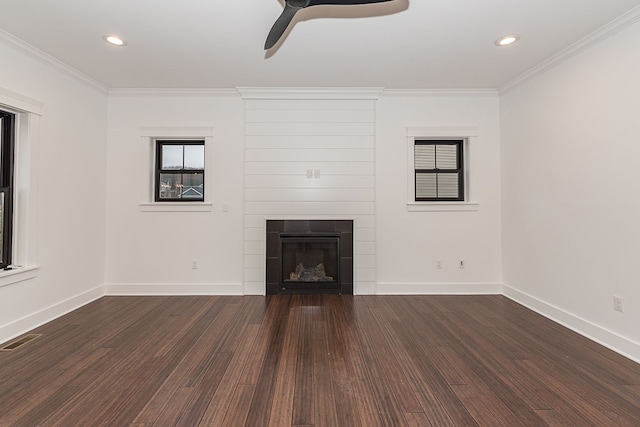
point(296, 168)
point(304, 129)
point(309, 208)
point(310, 155)
point(302, 181)
point(309, 116)
point(307, 104)
point(309, 141)
point(311, 195)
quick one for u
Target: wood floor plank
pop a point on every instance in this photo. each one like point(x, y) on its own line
point(271, 321)
point(341, 360)
point(18, 403)
point(262, 401)
point(386, 356)
point(475, 404)
point(553, 419)
point(593, 406)
point(383, 369)
point(488, 362)
point(194, 365)
point(314, 360)
point(284, 390)
point(204, 390)
point(303, 408)
point(222, 400)
point(325, 412)
point(239, 408)
point(355, 384)
point(417, 419)
point(438, 400)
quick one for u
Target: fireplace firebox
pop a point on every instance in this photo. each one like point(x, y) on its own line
point(309, 256)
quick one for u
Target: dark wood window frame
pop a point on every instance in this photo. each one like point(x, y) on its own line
point(7, 148)
point(160, 143)
point(437, 172)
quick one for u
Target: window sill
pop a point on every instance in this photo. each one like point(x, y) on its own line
point(442, 206)
point(176, 207)
point(18, 274)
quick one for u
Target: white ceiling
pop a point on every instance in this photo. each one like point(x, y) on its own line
point(402, 44)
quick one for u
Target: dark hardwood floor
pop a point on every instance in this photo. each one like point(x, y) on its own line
point(309, 360)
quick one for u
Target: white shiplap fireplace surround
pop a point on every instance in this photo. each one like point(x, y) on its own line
point(309, 154)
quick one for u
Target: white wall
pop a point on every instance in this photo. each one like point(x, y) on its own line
point(69, 193)
point(409, 243)
point(152, 252)
point(571, 204)
point(263, 148)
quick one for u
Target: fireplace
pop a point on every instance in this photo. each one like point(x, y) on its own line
point(309, 256)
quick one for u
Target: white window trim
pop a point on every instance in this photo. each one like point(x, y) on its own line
point(469, 135)
point(28, 112)
point(149, 136)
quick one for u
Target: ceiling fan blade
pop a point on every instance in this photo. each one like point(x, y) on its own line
point(280, 26)
point(344, 2)
point(291, 7)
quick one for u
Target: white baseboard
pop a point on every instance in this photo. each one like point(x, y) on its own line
point(609, 339)
point(255, 288)
point(39, 318)
point(396, 288)
point(144, 289)
point(364, 288)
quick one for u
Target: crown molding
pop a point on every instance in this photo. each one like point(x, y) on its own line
point(491, 93)
point(24, 103)
point(123, 92)
point(603, 33)
point(348, 93)
point(49, 60)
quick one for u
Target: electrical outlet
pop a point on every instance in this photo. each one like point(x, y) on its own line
point(617, 304)
point(461, 263)
point(194, 264)
point(439, 264)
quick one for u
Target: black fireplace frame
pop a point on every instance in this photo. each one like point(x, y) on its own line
point(279, 230)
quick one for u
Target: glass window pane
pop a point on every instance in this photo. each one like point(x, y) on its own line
point(172, 157)
point(1, 226)
point(2, 124)
point(192, 186)
point(425, 156)
point(170, 185)
point(448, 185)
point(426, 186)
point(194, 156)
point(447, 156)
point(1, 140)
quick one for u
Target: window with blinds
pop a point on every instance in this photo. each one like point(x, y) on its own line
point(439, 170)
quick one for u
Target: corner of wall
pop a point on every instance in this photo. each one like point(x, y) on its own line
point(602, 336)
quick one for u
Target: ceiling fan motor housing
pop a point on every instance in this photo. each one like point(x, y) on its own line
point(299, 3)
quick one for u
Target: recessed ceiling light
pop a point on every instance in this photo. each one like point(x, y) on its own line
point(114, 40)
point(507, 40)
